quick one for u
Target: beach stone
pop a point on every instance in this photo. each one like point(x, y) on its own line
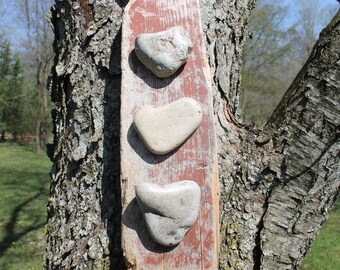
point(169, 210)
point(164, 128)
point(164, 52)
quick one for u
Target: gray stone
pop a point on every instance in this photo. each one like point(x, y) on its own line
point(170, 210)
point(164, 128)
point(164, 52)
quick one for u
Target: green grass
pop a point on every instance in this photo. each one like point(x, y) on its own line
point(24, 184)
point(325, 251)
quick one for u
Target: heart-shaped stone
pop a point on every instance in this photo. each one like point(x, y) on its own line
point(170, 210)
point(162, 129)
point(164, 52)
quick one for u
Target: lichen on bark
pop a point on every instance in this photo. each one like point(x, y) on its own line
point(277, 184)
point(84, 206)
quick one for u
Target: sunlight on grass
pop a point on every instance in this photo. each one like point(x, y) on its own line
point(325, 251)
point(24, 183)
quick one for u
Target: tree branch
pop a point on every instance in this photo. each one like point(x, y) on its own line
point(305, 137)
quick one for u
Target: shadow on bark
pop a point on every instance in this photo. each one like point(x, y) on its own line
point(122, 3)
point(10, 228)
point(111, 207)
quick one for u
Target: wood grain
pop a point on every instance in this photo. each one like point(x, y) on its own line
point(194, 160)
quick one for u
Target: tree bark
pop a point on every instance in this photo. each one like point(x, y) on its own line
point(277, 185)
point(84, 209)
point(2, 138)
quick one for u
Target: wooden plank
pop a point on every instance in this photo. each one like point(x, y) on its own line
point(194, 160)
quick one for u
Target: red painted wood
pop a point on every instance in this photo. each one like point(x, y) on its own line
point(194, 160)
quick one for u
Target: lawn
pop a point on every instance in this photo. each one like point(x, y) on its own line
point(325, 251)
point(24, 183)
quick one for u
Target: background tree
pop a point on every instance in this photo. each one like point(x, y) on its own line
point(39, 56)
point(5, 70)
point(33, 44)
point(277, 185)
point(276, 52)
point(264, 78)
point(10, 91)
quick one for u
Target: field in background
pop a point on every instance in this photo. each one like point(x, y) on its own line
point(24, 183)
point(325, 251)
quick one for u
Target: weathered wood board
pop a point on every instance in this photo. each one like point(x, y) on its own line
point(194, 160)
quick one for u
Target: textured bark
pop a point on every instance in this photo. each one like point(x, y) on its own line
point(305, 136)
point(84, 206)
point(277, 185)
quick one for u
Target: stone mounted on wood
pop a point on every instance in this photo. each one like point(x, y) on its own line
point(163, 129)
point(169, 210)
point(195, 159)
point(164, 52)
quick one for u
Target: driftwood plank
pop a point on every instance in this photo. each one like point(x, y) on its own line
point(194, 160)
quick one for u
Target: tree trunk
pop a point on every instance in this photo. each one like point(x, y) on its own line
point(2, 138)
point(277, 185)
point(38, 121)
